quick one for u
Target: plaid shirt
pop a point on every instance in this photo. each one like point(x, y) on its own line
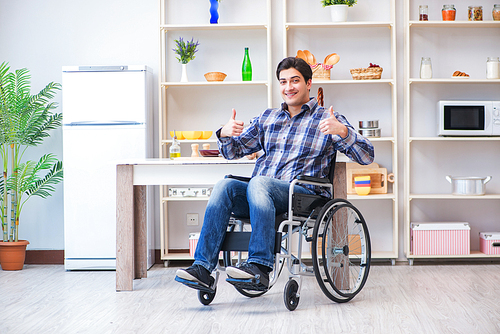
point(295, 146)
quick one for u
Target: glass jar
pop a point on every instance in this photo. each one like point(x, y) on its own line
point(423, 11)
point(496, 12)
point(448, 12)
point(493, 68)
point(425, 68)
point(475, 13)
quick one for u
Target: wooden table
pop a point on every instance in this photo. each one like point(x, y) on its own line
point(132, 179)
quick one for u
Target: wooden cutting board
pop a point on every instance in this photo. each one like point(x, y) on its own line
point(378, 178)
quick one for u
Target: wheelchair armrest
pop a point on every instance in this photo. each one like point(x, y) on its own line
point(240, 178)
point(313, 179)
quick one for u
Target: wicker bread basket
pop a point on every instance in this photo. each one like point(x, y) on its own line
point(321, 71)
point(215, 76)
point(366, 73)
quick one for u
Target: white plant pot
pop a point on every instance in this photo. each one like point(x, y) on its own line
point(184, 76)
point(339, 13)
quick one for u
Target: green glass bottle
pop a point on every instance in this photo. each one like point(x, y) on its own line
point(246, 69)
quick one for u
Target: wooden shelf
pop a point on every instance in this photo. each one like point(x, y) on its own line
point(189, 141)
point(219, 26)
point(454, 197)
point(455, 24)
point(213, 83)
point(372, 197)
point(351, 24)
point(472, 255)
point(375, 255)
point(352, 81)
point(453, 139)
point(453, 81)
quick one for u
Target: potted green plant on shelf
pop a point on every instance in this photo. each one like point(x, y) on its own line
point(25, 121)
point(185, 52)
point(338, 8)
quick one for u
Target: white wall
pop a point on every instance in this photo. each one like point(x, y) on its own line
point(46, 35)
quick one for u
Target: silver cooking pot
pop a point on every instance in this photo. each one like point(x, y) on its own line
point(468, 185)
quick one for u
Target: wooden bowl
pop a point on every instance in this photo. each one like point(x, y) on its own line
point(215, 76)
point(209, 153)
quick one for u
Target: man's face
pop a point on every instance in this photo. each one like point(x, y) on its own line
point(293, 88)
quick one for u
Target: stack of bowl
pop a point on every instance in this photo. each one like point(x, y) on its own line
point(369, 128)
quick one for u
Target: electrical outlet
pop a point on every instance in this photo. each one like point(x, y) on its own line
point(192, 218)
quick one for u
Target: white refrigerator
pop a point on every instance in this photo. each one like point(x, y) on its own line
point(107, 118)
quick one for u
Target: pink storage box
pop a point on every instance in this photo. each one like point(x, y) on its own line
point(440, 238)
point(193, 241)
point(486, 240)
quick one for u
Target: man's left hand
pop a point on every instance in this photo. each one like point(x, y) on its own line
point(331, 126)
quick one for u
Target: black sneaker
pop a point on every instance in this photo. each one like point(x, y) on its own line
point(195, 274)
point(250, 274)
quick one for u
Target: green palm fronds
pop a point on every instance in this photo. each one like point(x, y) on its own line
point(25, 120)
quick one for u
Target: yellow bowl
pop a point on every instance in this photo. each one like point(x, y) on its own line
point(178, 133)
point(206, 134)
point(192, 134)
point(362, 191)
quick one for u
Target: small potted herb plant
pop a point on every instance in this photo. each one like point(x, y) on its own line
point(338, 8)
point(185, 51)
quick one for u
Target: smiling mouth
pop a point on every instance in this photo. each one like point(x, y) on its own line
point(289, 95)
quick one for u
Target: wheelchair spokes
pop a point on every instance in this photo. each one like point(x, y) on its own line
point(341, 251)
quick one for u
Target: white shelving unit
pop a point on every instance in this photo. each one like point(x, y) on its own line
point(174, 96)
point(427, 194)
point(301, 23)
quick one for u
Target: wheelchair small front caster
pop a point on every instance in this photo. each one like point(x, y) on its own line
point(290, 295)
point(206, 297)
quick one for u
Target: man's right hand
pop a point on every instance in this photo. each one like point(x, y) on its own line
point(233, 127)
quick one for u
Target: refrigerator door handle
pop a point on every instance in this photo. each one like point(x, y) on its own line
point(94, 123)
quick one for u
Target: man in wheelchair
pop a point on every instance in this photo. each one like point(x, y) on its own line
point(299, 138)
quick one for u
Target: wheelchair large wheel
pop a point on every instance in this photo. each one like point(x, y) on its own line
point(341, 251)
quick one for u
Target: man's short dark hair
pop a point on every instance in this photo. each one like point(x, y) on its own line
point(296, 63)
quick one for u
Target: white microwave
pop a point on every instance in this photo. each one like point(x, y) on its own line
point(469, 118)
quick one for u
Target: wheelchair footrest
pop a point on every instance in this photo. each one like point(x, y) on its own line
point(247, 284)
point(196, 285)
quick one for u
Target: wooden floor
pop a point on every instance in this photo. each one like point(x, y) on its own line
point(396, 299)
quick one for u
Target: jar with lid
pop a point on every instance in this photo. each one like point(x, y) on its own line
point(496, 12)
point(475, 13)
point(425, 68)
point(423, 11)
point(493, 68)
point(448, 12)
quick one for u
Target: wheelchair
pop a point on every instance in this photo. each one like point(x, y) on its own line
point(340, 247)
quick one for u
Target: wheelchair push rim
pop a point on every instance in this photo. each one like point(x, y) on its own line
point(341, 251)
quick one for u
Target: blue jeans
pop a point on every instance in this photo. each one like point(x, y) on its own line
point(261, 200)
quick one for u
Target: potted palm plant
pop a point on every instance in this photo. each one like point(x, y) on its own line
point(25, 120)
point(338, 8)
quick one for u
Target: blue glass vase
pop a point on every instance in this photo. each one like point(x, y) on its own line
point(214, 14)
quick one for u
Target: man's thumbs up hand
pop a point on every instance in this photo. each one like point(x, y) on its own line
point(232, 127)
point(331, 126)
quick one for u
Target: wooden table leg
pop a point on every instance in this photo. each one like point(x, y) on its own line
point(340, 226)
point(140, 232)
point(124, 228)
